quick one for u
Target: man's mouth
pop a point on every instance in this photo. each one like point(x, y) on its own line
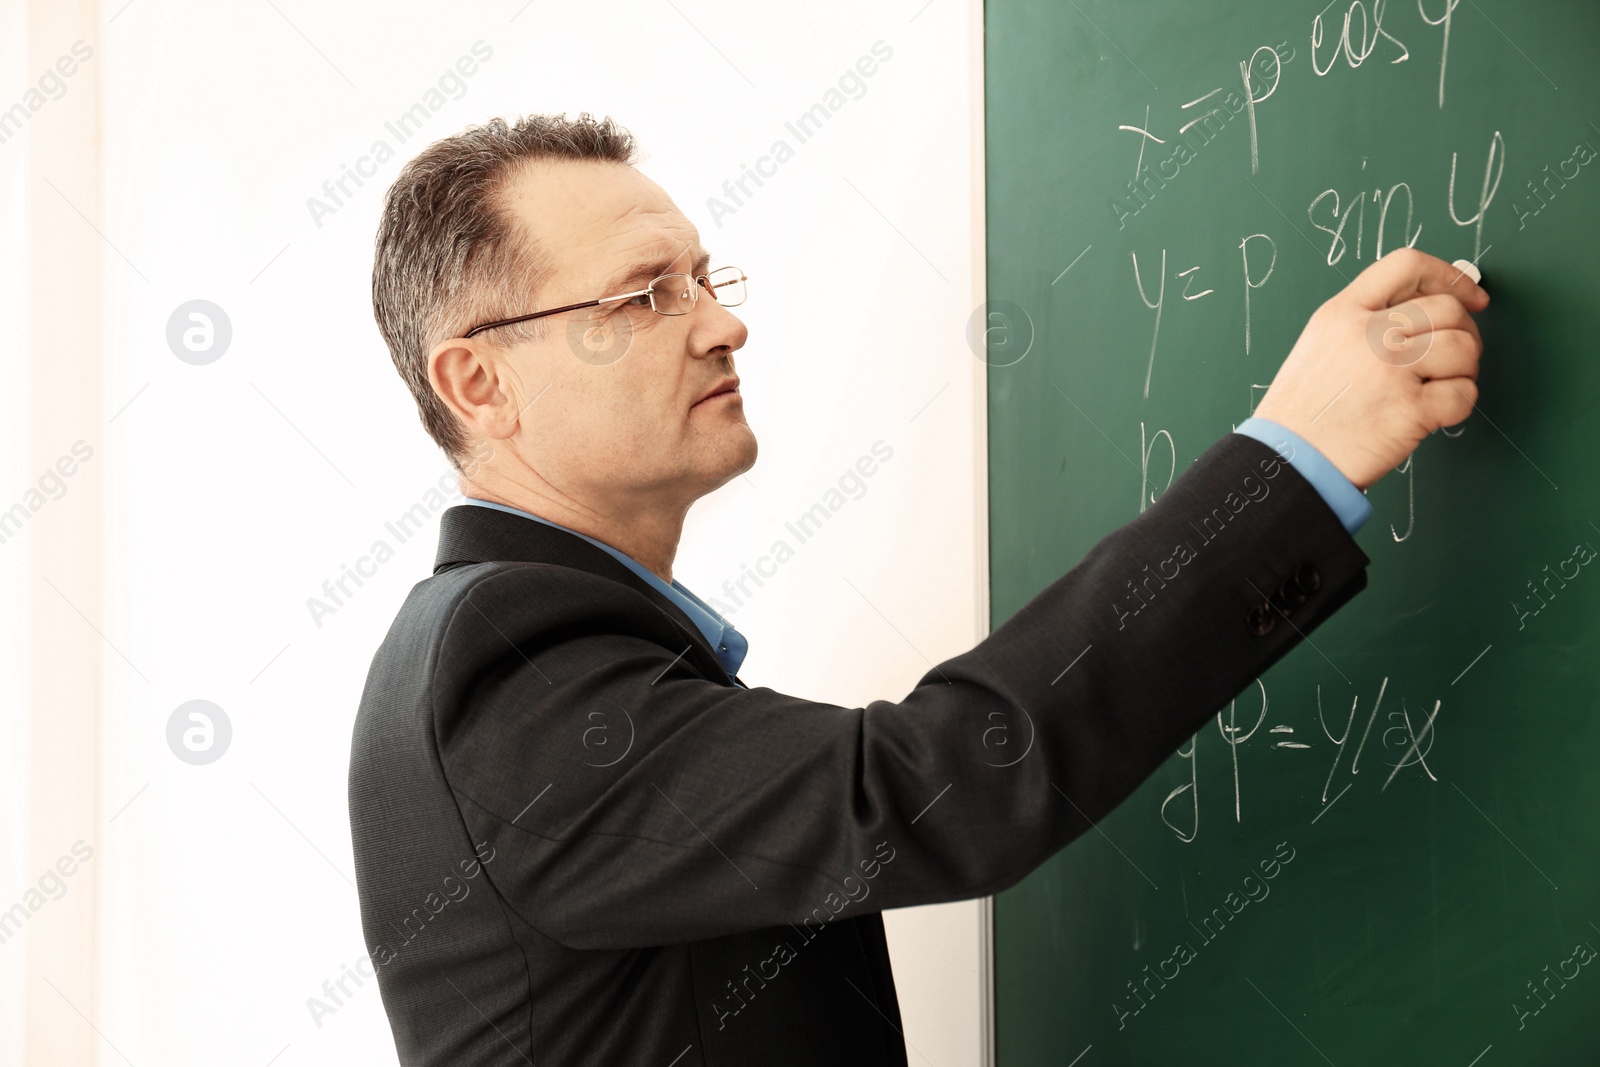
point(724, 389)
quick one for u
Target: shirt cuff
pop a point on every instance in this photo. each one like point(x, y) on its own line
point(1348, 503)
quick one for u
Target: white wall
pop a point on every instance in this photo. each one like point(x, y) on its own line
point(15, 474)
point(238, 487)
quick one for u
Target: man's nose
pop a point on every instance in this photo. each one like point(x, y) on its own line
point(716, 326)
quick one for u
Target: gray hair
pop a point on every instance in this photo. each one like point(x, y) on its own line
point(448, 254)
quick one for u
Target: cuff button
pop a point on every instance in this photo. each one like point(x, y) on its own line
point(1309, 578)
point(1260, 620)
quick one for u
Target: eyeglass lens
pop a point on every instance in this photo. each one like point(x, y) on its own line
point(673, 294)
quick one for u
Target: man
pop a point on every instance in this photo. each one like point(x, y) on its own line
point(579, 837)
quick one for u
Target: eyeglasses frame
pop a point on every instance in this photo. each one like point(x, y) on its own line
point(695, 285)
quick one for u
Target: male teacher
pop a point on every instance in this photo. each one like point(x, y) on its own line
point(580, 837)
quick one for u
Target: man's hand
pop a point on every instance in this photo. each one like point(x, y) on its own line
point(1385, 362)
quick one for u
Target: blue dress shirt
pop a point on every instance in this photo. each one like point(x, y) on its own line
point(1347, 502)
point(729, 643)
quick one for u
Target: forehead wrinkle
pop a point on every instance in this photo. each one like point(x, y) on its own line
point(610, 237)
point(594, 229)
point(654, 261)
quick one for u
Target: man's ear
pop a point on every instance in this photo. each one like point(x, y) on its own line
point(467, 376)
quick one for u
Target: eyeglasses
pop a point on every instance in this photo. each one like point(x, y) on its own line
point(670, 294)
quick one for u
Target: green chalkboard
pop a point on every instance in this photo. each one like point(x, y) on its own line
point(1435, 901)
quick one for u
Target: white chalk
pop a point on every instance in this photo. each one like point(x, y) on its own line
point(1466, 266)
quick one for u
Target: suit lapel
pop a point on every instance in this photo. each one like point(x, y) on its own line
point(472, 534)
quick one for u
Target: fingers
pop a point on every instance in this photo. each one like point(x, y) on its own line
point(1407, 336)
point(1406, 273)
point(1448, 401)
point(1450, 354)
point(1421, 314)
point(1435, 335)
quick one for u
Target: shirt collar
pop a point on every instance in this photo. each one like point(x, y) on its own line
point(729, 644)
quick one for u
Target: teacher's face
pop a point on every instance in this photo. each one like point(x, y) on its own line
point(616, 401)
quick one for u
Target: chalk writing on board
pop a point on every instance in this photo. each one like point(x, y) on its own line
point(1286, 743)
point(1493, 167)
point(1268, 87)
point(1371, 33)
point(1338, 247)
point(1259, 77)
point(1249, 283)
point(1408, 236)
point(1339, 742)
point(1161, 294)
point(1146, 497)
point(1147, 182)
point(1160, 303)
point(1408, 468)
point(1230, 734)
point(1356, 208)
point(1412, 737)
point(1444, 49)
point(1190, 284)
point(1355, 761)
point(1138, 164)
point(1403, 733)
point(1213, 113)
point(1192, 787)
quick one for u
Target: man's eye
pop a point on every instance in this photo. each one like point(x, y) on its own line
point(640, 301)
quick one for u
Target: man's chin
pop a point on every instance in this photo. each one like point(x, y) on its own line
point(736, 451)
point(749, 449)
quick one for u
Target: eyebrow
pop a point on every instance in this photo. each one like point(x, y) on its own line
point(647, 270)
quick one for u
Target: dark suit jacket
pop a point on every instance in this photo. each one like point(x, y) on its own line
point(577, 842)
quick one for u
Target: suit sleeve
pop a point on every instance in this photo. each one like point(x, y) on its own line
point(632, 802)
